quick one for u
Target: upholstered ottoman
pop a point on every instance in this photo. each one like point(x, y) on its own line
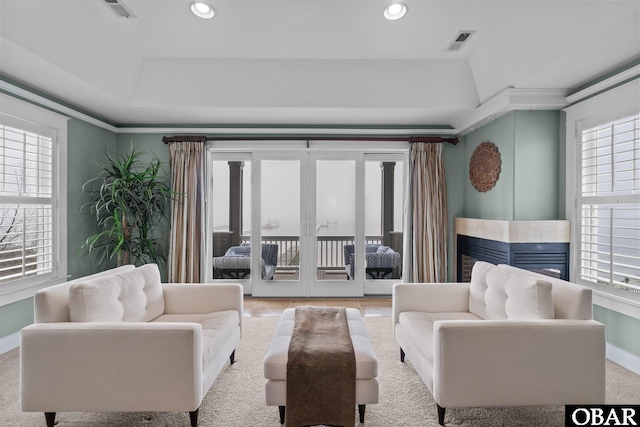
point(275, 363)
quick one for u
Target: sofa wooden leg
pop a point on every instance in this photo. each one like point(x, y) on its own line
point(232, 358)
point(441, 414)
point(193, 416)
point(401, 355)
point(50, 417)
point(281, 410)
point(361, 409)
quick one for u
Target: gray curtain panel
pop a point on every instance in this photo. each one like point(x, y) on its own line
point(429, 219)
point(186, 160)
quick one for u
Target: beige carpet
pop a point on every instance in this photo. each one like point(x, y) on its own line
point(237, 396)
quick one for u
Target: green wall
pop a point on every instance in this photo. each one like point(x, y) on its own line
point(621, 330)
point(454, 158)
point(15, 316)
point(562, 166)
point(535, 193)
point(527, 188)
point(496, 203)
point(152, 145)
point(149, 142)
point(86, 144)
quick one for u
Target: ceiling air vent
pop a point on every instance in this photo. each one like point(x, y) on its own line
point(119, 8)
point(460, 40)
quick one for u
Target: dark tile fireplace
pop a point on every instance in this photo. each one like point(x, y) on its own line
point(540, 246)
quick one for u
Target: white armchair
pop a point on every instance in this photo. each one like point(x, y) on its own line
point(121, 341)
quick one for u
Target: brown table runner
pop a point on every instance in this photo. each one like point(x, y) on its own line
point(321, 369)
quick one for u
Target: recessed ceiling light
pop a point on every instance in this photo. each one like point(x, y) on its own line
point(395, 11)
point(202, 9)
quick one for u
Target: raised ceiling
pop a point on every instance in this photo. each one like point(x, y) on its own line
point(308, 62)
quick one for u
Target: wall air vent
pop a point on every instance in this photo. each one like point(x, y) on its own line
point(119, 8)
point(460, 40)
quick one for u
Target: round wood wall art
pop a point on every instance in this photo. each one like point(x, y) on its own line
point(484, 167)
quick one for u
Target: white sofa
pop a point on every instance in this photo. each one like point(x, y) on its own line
point(122, 341)
point(511, 337)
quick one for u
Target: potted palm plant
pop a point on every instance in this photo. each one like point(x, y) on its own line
point(129, 199)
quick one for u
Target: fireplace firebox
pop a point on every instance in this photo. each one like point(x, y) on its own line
point(551, 259)
point(540, 246)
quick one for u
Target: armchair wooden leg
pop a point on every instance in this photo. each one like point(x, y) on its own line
point(441, 411)
point(50, 417)
point(281, 409)
point(401, 355)
point(361, 409)
point(232, 358)
point(193, 416)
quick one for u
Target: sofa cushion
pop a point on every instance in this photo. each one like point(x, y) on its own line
point(52, 304)
point(528, 298)
point(512, 295)
point(571, 301)
point(152, 290)
point(478, 288)
point(496, 296)
point(97, 300)
point(217, 329)
point(131, 296)
point(241, 251)
point(419, 326)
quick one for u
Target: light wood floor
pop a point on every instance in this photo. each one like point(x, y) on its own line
point(273, 307)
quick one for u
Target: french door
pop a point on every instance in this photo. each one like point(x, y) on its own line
point(313, 216)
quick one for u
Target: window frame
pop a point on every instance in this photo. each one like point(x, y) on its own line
point(614, 104)
point(29, 117)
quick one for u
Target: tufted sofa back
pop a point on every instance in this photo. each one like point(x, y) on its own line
point(126, 293)
point(130, 296)
point(507, 292)
point(571, 301)
point(52, 304)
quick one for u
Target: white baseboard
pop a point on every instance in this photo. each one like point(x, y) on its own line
point(623, 358)
point(9, 342)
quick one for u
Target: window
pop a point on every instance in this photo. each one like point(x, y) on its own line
point(31, 229)
point(609, 203)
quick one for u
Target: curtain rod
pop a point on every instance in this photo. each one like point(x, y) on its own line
point(412, 139)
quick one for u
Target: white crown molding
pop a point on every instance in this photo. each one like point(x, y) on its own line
point(289, 131)
point(604, 84)
point(508, 100)
point(41, 100)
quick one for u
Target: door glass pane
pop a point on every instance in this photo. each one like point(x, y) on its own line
point(335, 217)
point(230, 210)
point(383, 219)
point(280, 219)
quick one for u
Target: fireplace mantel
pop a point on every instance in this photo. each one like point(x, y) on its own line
point(541, 246)
point(514, 231)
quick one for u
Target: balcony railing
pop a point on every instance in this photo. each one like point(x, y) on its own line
point(330, 250)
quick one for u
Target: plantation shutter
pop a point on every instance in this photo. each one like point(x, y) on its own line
point(26, 203)
point(610, 204)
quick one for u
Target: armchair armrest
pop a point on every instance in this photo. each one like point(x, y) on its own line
point(430, 297)
point(111, 366)
point(202, 298)
point(512, 362)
